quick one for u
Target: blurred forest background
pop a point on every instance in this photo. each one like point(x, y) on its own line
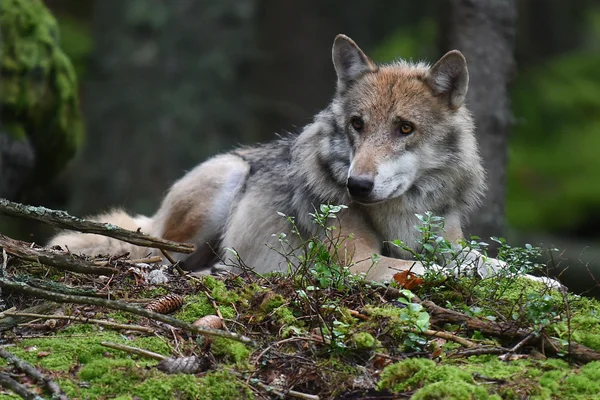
point(164, 84)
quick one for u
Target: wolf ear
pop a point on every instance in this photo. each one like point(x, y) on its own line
point(449, 76)
point(349, 61)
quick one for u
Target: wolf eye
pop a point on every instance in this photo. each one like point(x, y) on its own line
point(405, 128)
point(357, 123)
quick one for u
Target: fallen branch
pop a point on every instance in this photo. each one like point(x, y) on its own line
point(21, 365)
point(441, 315)
point(478, 351)
point(85, 320)
point(118, 305)
point(53, 258)
point(9, 383)
point(63, 220)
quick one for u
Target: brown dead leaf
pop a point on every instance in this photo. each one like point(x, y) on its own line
point(408, 280)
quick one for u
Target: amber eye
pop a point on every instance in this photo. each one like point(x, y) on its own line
point(405, 128)
point(357, 123)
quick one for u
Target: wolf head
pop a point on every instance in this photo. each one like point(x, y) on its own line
point(403, 121)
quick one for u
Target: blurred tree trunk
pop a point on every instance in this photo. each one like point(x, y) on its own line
point(294, 77)
point(484, 30)
point(165, 91)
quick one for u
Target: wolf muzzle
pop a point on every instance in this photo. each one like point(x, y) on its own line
point(360, 187)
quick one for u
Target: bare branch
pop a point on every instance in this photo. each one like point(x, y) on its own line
point(63, 220)
point(53, 258)
point(21, 365)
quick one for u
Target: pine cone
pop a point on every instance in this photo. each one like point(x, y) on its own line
point(165, 304)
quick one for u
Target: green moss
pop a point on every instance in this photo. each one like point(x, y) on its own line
point(285, 316)
point(222, 385)
point(177, 386)
point(122, 317)
point(155, 292)
point(364, 340)
point(39, 87)
point(414, 373)
point(197, 306)
point(587, 382)
point(129, 376)
point(65, 351)
point(271, 303)
point(458, 390)
point(218, 290)
point(230, 350)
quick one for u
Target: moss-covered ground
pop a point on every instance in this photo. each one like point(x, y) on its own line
point(349, 341)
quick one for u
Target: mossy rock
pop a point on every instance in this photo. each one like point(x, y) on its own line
point(39, 93)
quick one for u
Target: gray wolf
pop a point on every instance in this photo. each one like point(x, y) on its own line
point(396, 140)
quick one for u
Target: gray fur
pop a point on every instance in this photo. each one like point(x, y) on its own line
point(295, 174)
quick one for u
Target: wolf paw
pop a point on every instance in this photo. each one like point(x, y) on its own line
point(470, 262)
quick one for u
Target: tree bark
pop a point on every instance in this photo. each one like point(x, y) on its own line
point(484, 30)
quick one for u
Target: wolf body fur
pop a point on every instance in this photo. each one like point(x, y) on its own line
point(396, 140)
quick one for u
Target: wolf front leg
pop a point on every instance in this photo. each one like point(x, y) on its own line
point(361, 249)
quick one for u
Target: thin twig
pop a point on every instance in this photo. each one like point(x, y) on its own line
point(427, 332)
point(118, 305)
point(280, 393)
point(216, 307)
point(135, 350)
point(85, 320)
point(63, 220)
point(21, 365)
point(283, 394)
point(292, 339)
point(478, 351)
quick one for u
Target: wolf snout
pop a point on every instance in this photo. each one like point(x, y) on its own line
point(360, 187)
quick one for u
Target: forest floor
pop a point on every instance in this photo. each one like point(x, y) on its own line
point(140, 329)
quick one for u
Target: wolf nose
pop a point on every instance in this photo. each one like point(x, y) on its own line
point(359, 187)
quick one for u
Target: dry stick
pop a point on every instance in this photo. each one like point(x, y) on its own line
point(135, 350)
point(52, 387)
point(478, 351)
point(445, 335)
point(9, 383)
point(577, 351)
point(440, 314)
point(7, 322)
point(147, 260)
point(118, 305)
point(53, 258)
point(61, 219)
point(277, 392)
point(85, 320)
point(291, 393)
